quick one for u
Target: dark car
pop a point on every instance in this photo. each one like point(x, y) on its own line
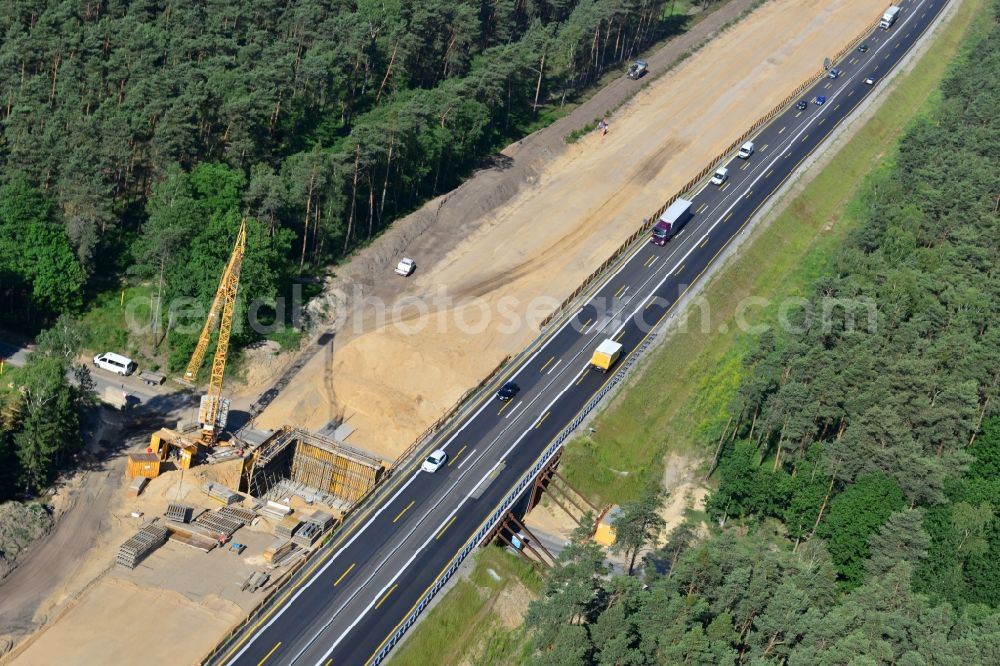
point(508, 391)
point(802, 104)
point(863, 48)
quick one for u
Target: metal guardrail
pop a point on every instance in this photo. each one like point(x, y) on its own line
point(525, 481)
point(529, 476)
point(647, 223)
point(565, 433)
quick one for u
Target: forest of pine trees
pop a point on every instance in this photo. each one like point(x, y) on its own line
point(858, 496)
point(128, 128)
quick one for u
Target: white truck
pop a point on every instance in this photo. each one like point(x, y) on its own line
point(889, 17)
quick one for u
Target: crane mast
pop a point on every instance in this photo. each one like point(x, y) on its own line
point(214, 410)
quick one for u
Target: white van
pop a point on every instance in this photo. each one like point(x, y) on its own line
point(746, 150)
point(116, 363)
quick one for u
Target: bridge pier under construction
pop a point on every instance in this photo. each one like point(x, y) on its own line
point(316, 468)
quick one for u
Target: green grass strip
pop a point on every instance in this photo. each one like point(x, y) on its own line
point(679, 400)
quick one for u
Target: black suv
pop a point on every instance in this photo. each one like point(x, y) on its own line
point(802, 105)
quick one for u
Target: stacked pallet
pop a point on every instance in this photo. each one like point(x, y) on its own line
point(273, 510)
point(221, 493)
point(135, 488)
point(307, 534)
point(286, 528)
point(277, 550)
point(321, 518)
point(219, 523)
point(180, 513)
point(237, 513)
point(135, 549)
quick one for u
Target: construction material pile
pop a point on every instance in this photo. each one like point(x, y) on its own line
point(146, 540)
point(221, 493)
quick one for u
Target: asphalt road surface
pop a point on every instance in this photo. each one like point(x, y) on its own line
point(342, 608)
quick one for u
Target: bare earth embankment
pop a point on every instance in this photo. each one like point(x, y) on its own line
point(523, 257)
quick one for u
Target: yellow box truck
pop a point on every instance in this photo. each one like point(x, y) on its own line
point(606, 355)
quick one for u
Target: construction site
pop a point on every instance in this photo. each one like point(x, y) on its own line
point(208, 518)
point(270, 478)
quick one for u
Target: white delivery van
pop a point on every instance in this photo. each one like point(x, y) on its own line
point(116, 363)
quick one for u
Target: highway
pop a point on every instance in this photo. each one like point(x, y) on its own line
point(343, 607)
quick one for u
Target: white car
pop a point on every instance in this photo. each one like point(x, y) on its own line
point(720, 175)
point(746, 150)
point(405, 267)
point(870, 81)
point(434, 461)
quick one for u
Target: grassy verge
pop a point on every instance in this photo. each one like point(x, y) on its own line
point(467, 625)
point(678, 401)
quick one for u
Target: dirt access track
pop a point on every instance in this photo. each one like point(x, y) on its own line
point(472, 302)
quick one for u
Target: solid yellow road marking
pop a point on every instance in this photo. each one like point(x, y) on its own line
point(583, 376)
point(328, 661)
point(723, 188)
point(621, 291)
point(505, 406)
point(651, 259)
point(412, 502)
point(768, 174)
point(781, 130)
point(542, 420)
point(344, 574)
point(702, 207)
point(583, 329)
point(446, 526)
point(727, 217)
point(547, 364)
point(705, 242)
point(678, 271)
point(460, 452)
point(620, 335)
point(651, 303)
point(268, 655)
point(744, 167)
point(386, 595)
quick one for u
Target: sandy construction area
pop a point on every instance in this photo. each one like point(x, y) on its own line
point(171, 609)
point(484, 298)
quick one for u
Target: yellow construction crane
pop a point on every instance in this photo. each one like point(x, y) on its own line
point(214, 410)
